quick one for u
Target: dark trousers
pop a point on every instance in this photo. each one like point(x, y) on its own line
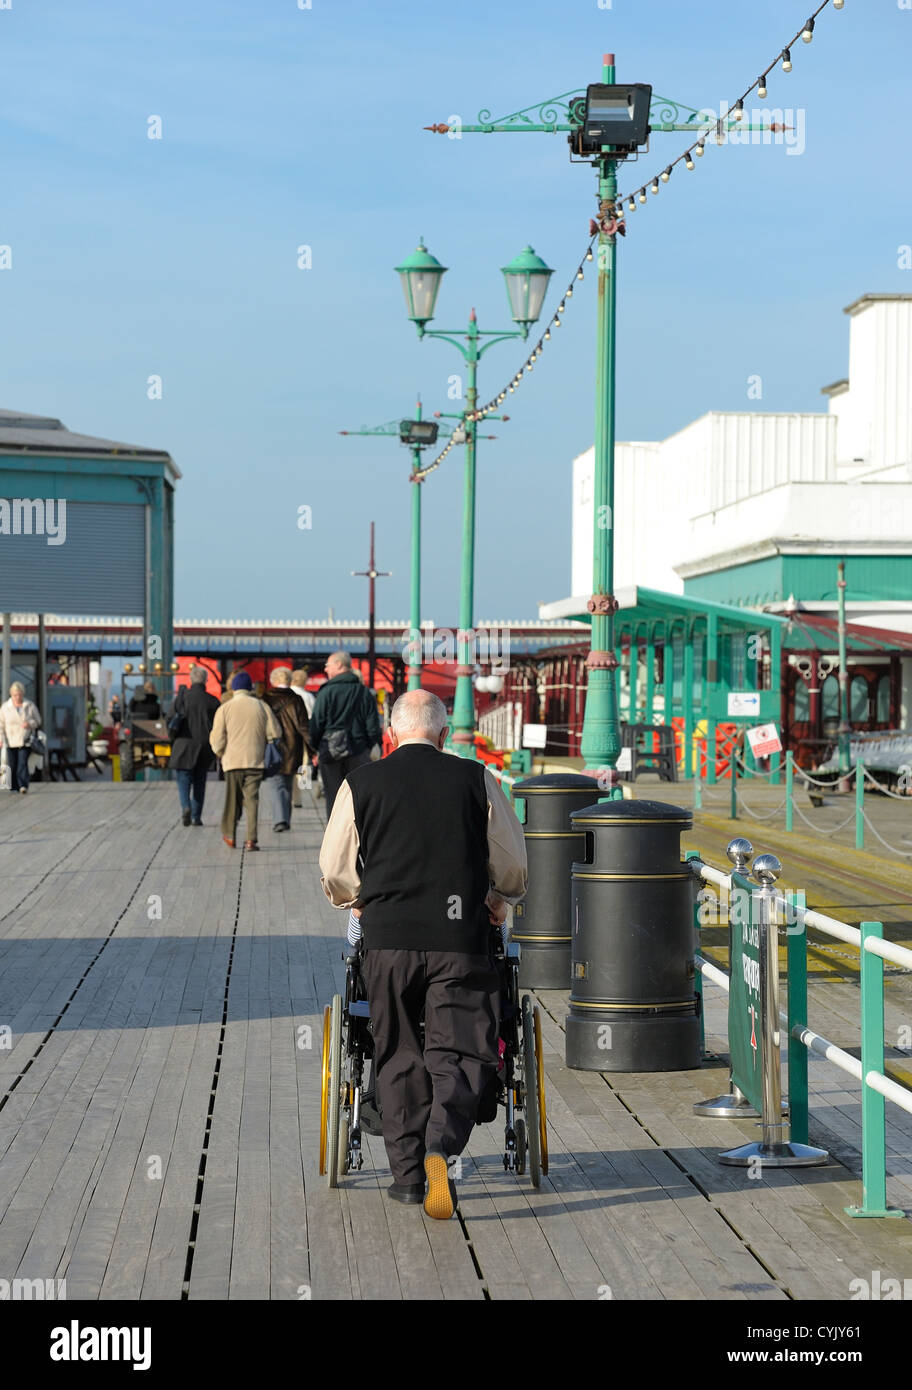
point(191, 788)
point(19, 773)
point(334, 775)
point(242, 788)
point(430, 1099)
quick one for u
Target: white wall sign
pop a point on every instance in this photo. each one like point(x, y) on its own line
point(743, 703)
point(534, 735)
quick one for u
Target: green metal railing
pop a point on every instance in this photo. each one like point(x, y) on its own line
point(876, 1086)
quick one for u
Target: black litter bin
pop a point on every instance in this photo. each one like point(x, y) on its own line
point(541, 922)
point(633, 1006)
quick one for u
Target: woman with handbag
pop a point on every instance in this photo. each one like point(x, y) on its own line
point(291, 713)
point(190, 724)
point(19, 721)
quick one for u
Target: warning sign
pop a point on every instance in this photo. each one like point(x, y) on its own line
point(764, 739)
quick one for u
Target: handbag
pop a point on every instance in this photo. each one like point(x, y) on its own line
point(337, 745)
point(273, 757)
point(176, 722)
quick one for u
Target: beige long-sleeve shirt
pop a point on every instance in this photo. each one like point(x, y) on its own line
point(507, 870)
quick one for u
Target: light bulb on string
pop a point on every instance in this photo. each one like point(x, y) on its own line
point(761, 87)
point(655, 186)
point(548, 333)
point(569, 293)
point(642, 195)
point(838, 4)
point(589, 254)
point(700, 149)
point(579, 273)
point(738, 112)
point(786, 60)
point(666, 175)
point(720, 133)
point(807, 32)
point(688, 161)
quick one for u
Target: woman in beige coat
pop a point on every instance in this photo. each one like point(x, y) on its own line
point(19, 719)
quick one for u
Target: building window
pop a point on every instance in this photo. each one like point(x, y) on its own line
point(802, 705)
point(858, 700)
point(883, 701)
point(830, 703)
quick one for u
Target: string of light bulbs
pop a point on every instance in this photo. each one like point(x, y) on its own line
point(698, 147)
point(735, 113)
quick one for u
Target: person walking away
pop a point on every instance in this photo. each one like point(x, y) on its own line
point(191, 756)
point(425, 851)
point(239, 733)
point(292, 715)
point(299, 680)
point(145, 703)
point(19, 719)
point(344, 726)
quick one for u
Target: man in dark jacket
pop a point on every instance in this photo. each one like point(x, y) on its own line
point(344, 726)
point(425, 851)
point(291, 713)
point(191, 756)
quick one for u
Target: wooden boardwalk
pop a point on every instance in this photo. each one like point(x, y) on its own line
point(159, 1103)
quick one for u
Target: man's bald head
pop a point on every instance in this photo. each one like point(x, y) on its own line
point(418, 714)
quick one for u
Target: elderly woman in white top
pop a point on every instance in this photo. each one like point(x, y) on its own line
point(19, 719)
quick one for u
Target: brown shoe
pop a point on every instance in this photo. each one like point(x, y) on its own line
point(251, 844)
point(229, 843)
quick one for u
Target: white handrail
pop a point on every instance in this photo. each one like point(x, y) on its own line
point(830, 926)
point(891, 1089)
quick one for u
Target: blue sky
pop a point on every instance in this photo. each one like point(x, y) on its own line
point(282, 127)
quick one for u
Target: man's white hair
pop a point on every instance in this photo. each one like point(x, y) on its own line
point(17, 688)
point(418, 714)
point(280, 676)
point(198, 675)
point(341, 659)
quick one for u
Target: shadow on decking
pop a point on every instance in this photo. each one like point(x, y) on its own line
point(159, 981)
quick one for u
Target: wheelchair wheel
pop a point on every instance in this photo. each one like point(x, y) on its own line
point(334, 1091)
point(521, 1146)
point(540, 1076)
point(343, 1144)
point(324, 1086)
point(531, 1090)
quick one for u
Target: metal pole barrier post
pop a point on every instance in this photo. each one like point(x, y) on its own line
point(694, 859)
point(796, 955)
point(859, 804)
point(736, 1103)
point(789, 788)
point(733, 770)
point(873, 1126)
point(774, 1150)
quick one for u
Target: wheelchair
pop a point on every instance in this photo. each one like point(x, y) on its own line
point(520, 1080)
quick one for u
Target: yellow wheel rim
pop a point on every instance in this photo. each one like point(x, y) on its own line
point(540, 1069)
point(324, 1088)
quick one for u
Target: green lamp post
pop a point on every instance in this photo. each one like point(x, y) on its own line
point(418, 434)
point(605, 123)
point(526, 280)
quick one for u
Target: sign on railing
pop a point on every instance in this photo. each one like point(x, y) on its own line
point(744, 1006)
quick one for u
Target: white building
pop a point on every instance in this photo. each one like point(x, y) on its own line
point(752, 508)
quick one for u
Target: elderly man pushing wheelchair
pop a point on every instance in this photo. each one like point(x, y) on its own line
point(426, 852)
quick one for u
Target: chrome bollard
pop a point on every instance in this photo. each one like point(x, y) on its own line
point(735, 1105)
point(774, 1149)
